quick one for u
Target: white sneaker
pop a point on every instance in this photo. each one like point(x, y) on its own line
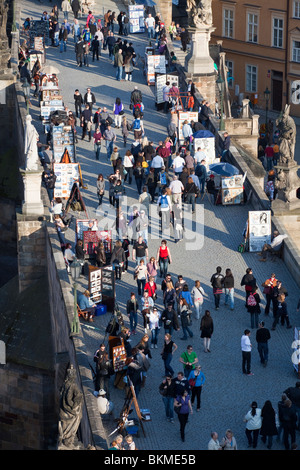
point(152, 346)
point(155, 346)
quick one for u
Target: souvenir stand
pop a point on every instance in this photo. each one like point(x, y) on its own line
point(50, 99)
point(136, 19)
point(37, 51)
point(63, 141)
point(206, 141)
point(154, 64)
point(91, 238)
point(160, 81)
point(39, 28)
point(102, 286)
point(232, 190)
point(185, 116)
point(296, 347)
point(66, 174)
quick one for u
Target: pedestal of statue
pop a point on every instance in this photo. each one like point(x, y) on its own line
point(32, 204)
point(198, 61)
point(287, 183)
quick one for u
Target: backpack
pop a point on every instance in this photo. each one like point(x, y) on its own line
point(136, 124)
point(163, 178)
point(199, 171)
point(164, 202)
point(251, 302)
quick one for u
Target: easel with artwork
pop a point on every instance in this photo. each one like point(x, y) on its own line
point(126, 410)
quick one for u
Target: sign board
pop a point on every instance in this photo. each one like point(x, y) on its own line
point(259, 228)
point(154, 64)
point(62, 139)
point(161, 80)
point(185, 116)
point(66, 174)
point(84, 225)
point(136, 18)
point(232, 190)
point(102, 285)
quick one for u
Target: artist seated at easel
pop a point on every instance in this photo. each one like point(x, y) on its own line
point(105, 407)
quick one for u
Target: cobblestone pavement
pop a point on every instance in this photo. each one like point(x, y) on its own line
point(227, 393)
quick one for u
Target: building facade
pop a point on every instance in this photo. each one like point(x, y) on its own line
point(262, 44)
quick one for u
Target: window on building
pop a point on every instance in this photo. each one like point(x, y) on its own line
point(228, 23)
point(229, 65)
point(277, 32)
point(251, 78)
point(296, 9)
point(296, 51)
point(252, 27)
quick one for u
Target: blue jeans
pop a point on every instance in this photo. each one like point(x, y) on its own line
point(138, 260)
point(154, 335)
point(119, 73)
point(185, 331)
point(151, 32)
point(163, 266)
point(97, 149)
point(229, 295)
point(133, 319)
point(66, 15)
point(269, 163)
point(56, 41)
point(202, 184)
point(167, 362)
point(169, 407)
point(190, 199)
point(109, 148)
point(63, 45)
point(141, 285)
point(254, 320)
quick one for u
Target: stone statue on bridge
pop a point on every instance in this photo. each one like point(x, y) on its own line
point(31, 138)
point(287, 136)
point(199, 13)
point(70, 414)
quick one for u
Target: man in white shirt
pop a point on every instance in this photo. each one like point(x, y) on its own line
point(157, 163)
point(178, 164)
point(246, 348)
point(177, 188)
point(214, 443)
point(150, 23)
point(199, 155)
point(105, 406)
point(275, 245)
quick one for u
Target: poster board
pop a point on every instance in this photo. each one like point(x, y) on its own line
point(102, 285)
point(154, 64)
point(62, 139)
point(161, 80)
point(83, 225)
point(295, 347)
point(185, 116)
point(119, 357)
point(207, 144)
point(95, 277)
point(136, 19)
point(260, 230)
point(66, 174)
point(91, 238)
point(232, 190)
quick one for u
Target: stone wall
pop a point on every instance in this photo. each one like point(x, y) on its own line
point(26, 402)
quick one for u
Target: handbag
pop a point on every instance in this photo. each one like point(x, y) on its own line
point(177, 409)
point(192, 383)
point(121, 112)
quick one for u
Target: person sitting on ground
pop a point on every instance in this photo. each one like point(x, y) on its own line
point(105, 407)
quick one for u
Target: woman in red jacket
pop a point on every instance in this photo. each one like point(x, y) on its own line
point(151, 287)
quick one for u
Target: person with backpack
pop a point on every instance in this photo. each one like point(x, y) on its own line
point(201, 172)
point(217, 281)
point(138, 129)
point(138, 110)
point(164, 210)
point(228, 284)
point(253, 306)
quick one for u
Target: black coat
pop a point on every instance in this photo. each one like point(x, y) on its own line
point(268, 427)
